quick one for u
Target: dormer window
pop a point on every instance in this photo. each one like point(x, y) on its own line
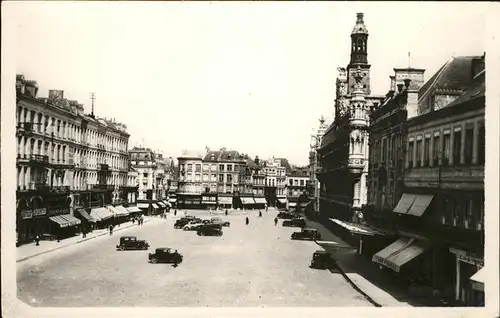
point(212, 157)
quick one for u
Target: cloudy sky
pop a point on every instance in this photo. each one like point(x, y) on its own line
point(254, 77)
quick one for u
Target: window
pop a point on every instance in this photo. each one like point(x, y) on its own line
point(427, 150)
point(457, 142)
point(236, 167)
point(145, 174)
point(229, 178)
point(214, 177)
point(447, 209)
point(384, 150)
point(190, 167)
point(411, 146)
point(205, 167)
point(198, 168)
point(189, 176)
point(205, 177)
point(469, 139)
point(291, 182)
point(458, 212)
point(213, 167)
point(221, 167)
point(469, 214)
point(419, 153)
point(301, 182)
point(481, 145)
point(221, 178)
point(197, 177)
point(446, 150)
point(435, 151)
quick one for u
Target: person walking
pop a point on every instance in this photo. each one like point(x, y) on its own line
point(175, 212)
point(111, 230)
point(176, 261)
point(260, 213)
point(37, 240)
point(226, 212)
point(275, 221)
point(247, 220)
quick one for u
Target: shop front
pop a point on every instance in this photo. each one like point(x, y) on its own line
point(248, 202)
point(209, 202)
point(470, 277)
point(102, 216)
point(281, 203)
point(156, 209)
point(260, 202)
point(62, 224)
point(225, 202)
point(31, 222)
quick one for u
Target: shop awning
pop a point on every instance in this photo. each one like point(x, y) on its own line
point(113, 210)
point(71, 219)
point(85, 215)
point(100, 214)
point(172, 200)
point(337, 250)
point(143, 205)
point(155, 206)
point(304, 204)
point(400, 252)
point(167, 203)
point(122, 210)
point(208, 202)
point(405, 203)
point(133, 209)
point(247, 201)
point(161, 204)
point(357, 228)
point(260, 201)
point(420, 204)
point(292, 203)
point(59, 220)
point(225, 200)
point(282, 200)
point(478, 279)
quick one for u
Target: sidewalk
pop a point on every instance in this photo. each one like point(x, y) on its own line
point(365, 276)
point(30, 250)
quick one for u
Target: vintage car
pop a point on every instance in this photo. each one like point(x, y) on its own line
point(131, 243)
point(321, 260)
point(306, 234)
point(297, 222)
point(206, 221)
point(165, 255)
point(192, 226)
point(221, 221)
point(286, 215)
point(209, 230)
point(179, 224)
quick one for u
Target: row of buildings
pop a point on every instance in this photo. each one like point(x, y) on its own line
point(74, 167)
point(225, 178)
point(402, 175)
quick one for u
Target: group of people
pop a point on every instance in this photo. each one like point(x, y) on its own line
point(139, 219)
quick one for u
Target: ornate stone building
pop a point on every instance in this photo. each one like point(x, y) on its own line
point(343, 153)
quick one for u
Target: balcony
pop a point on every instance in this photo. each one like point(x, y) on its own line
point(103, 187)
point(62, 164)
point(452, 177)
point(60, 189)
point(356, 165)
point(344, 200)
point(102, 166)
point(37, 186)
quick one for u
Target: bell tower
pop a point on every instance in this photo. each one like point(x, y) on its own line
point(359, 55)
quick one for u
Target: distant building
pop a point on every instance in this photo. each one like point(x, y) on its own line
point(190, 183)
point(296, 185)
point(314, 166)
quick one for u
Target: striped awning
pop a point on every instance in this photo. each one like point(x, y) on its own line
point(167, 203)
point(161, 204)
point(113, 210)
point(172, 200)
point(260, 200)
point(292, 203)
point(59, 220)
point(133, 209)
point(85, 215)
point(100, 214)
point(143, 205)
point(155, 206)
point(247, 201)
point(122, 210)
point(71, 219)
point(282, 200)
point(225, 200)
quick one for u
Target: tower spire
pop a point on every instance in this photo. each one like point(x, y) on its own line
point(92, 97)
point(409, 59)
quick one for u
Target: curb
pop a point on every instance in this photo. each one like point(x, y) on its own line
point(74, 243)
point(359, 290)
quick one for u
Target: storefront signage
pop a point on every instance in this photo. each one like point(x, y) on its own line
point(467, 257)
point(40, 212)
point(27, 214)
point(58, 211)
point(386, 263)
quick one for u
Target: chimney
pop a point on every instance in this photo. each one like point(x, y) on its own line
point(31, 88)
point(393, 83)
point(257, 160)
point(400, 88)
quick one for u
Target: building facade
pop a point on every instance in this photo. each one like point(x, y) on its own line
point(190, 180)
point(437, 206)
point(314, 166)
point(67, 161)
point(296, 185)
point(343, 153)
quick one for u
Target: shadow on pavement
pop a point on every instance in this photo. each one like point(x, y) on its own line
point(381, 278)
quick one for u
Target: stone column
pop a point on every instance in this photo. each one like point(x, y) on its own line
point(462, 145)
point(475, 143)
point(452, 146)
point(441, 144)
point(457, 282)
point(414, 155)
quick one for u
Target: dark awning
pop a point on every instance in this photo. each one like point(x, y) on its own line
point(85, 215)
point(420, 204)
point(400, 252)
point(71, 219)
point(59, 220)
point(478, 279)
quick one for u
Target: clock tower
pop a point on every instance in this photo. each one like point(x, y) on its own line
point(359, 55)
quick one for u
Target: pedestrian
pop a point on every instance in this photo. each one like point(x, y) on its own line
point(175, 212)
point(111, 230)
point(266, 207)
point(260, 213)
point(275, 221)
point(83, 232)
point(247, 220)
point(176, 260)
point(37, 240)
point(226, 212)
point(133, 220)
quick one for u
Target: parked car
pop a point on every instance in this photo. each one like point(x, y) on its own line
point(193, 225)
point(206, 221)
point(286, 215)
point(209, 230)
point(298, 222)
point(165, 255)
point(131, 243)
point(306, 234)
point(179, 224)
point(221, 221)
point(321, 260)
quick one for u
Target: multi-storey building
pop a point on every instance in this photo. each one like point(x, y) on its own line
point(258, 182)
point(314, 165)
point(150, 179)
point(296, 185)
point(67, 161)
point(190, 179)
point(439, 191)
point(343, 153)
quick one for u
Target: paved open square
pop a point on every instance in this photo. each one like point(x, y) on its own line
point(250, 265)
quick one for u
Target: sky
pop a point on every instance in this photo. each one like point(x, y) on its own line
point(254, 77)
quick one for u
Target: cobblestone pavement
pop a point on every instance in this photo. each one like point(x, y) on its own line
point(254, 265)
